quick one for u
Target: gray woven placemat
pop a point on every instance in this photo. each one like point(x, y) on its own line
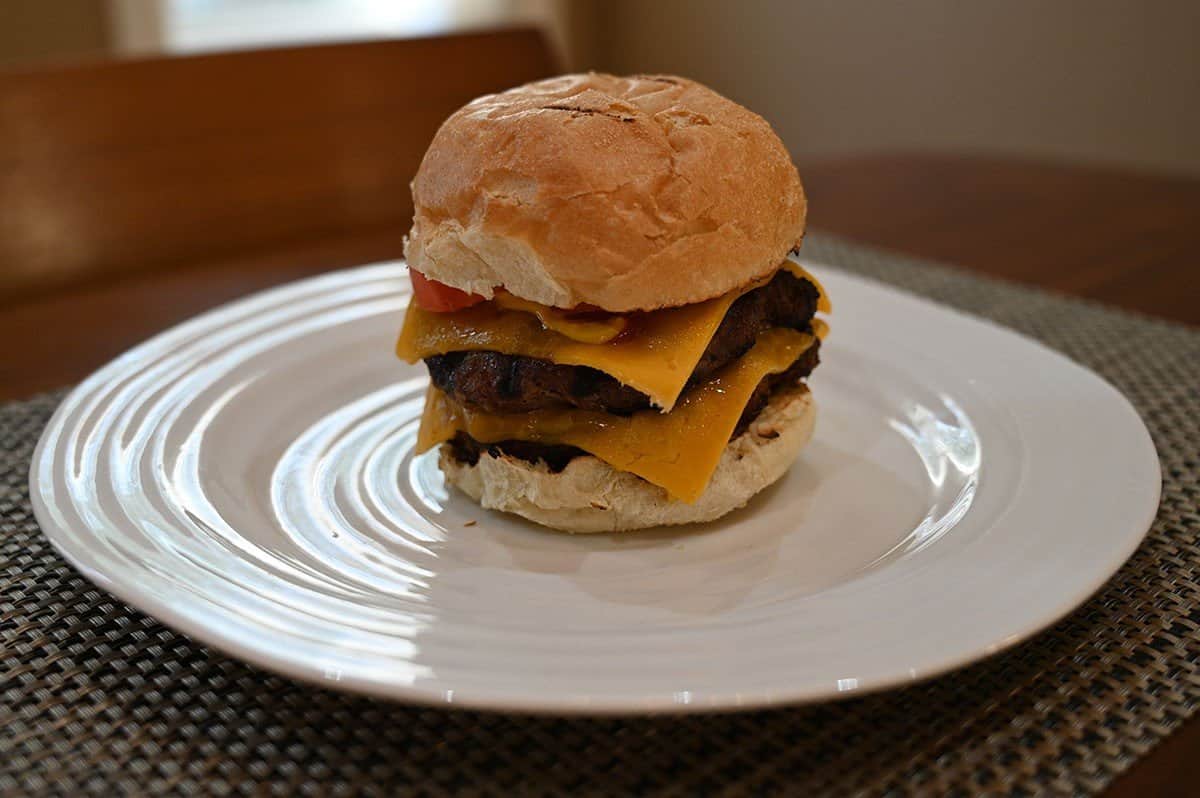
point(97, 698)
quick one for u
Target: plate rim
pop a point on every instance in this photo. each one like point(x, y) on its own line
point(163, 611)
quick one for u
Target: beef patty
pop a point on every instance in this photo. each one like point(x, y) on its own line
point(497, 383)
point(467, 450)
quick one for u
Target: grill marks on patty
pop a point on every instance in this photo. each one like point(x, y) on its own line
point(497, 383)
point(467, 450)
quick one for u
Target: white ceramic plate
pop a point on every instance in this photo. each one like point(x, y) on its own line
point(247, 478)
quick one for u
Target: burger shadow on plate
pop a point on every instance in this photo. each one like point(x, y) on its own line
point(786, 536)
point(700, 569)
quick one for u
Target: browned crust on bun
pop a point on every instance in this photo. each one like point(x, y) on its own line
point(624, 193)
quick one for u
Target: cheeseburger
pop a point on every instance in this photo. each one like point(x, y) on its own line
point(602, 294)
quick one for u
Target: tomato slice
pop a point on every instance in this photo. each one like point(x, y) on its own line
point(439, 297)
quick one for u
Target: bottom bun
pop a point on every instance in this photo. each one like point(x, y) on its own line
point(591, 496)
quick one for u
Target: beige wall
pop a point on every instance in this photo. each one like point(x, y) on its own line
point(1114, 81)
point(1085, 80)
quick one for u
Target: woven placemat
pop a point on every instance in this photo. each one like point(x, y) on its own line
point(97, 698)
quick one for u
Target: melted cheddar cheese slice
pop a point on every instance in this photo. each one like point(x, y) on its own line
point(584, 330)
point(656, 355)
point(677, 451)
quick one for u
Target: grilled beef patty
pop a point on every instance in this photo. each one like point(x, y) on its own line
point(496, 383)
point(467, 450)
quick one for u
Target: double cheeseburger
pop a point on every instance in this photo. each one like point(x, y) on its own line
point(602, 294)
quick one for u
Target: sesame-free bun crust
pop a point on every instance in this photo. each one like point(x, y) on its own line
point(625, 193)
point(591, 496)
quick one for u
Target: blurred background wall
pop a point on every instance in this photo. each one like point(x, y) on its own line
point(32, 32)
point(1107, 81)
point(1084, 80)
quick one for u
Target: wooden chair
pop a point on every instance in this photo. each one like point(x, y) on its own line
point(128, 166)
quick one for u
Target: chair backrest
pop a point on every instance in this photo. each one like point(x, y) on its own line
point(127, 166)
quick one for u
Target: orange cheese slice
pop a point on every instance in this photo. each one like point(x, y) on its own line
point(656, 354)
point(573, 326)
point(656, 357)
point(677, 451)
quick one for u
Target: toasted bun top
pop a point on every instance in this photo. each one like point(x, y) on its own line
point(625, 193)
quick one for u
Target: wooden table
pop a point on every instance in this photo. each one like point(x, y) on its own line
point(1125, 239)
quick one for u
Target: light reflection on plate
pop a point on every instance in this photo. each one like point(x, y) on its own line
point(248, 478)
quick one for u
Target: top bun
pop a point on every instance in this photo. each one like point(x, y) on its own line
point(624, 193)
